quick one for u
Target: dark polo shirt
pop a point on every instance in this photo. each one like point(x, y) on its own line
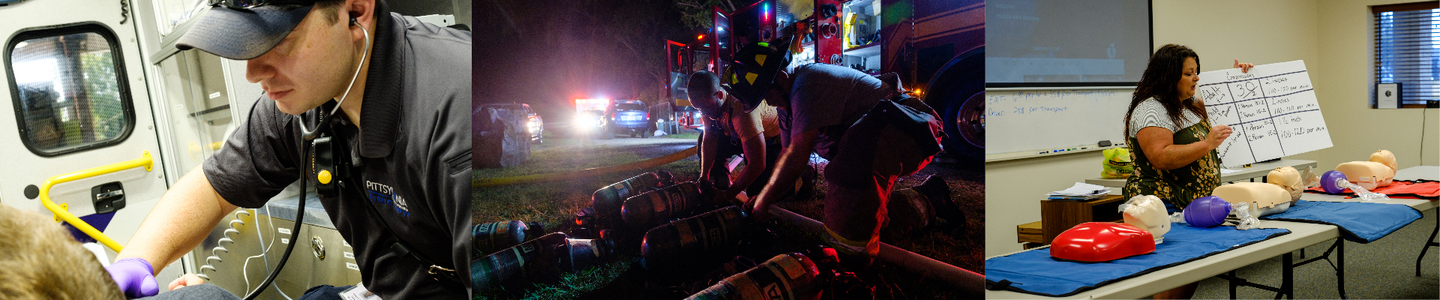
point(828, 98)
point(411, 159)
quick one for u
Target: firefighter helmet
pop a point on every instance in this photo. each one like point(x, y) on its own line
point(754, 69)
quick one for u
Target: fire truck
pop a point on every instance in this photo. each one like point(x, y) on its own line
point(937, 48)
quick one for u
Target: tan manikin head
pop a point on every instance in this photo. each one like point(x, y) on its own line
point(1289, 179)
point(1148, 212)
point(1384, 157)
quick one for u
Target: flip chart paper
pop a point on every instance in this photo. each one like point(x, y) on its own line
point(1272, 110)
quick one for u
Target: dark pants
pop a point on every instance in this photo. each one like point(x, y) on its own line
point(210, 291)
point(871, 156)
point(323, 292)
point(858, 185)
point(203, 291)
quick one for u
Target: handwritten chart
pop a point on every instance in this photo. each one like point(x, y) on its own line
point(1272, 110)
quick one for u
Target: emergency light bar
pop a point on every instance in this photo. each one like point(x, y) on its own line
point(591, 104)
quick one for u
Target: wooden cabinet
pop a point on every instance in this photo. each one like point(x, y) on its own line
point(1057, 216)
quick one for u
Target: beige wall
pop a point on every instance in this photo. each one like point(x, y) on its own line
point(1347, 55)
point(1258, 32)
point(1013, 190)
point(1331, 36)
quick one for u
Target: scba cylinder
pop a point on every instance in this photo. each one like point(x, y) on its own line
point(653, 208)
point(540, 260)
point(490, 237)
point(786, 276)
point(607, 200)
point(667, 244)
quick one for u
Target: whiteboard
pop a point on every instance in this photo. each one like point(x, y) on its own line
point(1040, 122)
point(1272, 110)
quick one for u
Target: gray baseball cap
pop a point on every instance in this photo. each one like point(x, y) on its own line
point(244, 29)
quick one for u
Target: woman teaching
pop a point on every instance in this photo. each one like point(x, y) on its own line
point(1171, 141)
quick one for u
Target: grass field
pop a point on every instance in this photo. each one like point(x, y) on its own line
point(688, 136)
point(553, 202)
point(556, 203)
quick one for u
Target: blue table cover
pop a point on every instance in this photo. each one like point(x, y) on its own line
point(1035, 272)
point(1360, 222)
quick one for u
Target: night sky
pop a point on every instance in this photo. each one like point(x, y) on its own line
point(549, 52)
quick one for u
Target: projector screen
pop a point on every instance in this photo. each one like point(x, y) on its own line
point(1066, 43)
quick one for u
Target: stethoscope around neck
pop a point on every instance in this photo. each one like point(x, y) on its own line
point(310, 133)
point(327, 159)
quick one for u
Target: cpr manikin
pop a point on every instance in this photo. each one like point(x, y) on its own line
point(1262, 198)
point(1378, 172)
point(1283, 188)
point(1367, 174)
point(1147, 212)
point(1386, 158)
point(1289, 179)
point(1100, 242)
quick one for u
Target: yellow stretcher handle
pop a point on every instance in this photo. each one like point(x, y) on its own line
point(61, 213)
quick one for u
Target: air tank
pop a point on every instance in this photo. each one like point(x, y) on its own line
point(607, 200)
point(668, 244)
point(490, 237)
point(655, 207)
point(786, 276)
point(736, 265)
point(541, 260)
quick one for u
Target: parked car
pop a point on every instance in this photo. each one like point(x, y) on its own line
point(534, 124)
point(629, 116)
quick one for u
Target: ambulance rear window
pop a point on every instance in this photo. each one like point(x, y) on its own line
point(68, 88)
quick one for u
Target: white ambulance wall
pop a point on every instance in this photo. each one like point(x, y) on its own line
point(23, 167)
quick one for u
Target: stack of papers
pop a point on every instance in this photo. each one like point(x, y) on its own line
point(1081, 191)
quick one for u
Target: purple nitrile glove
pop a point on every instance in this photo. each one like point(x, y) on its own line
point(135, 277)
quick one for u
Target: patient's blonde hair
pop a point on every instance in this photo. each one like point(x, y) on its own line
point(39, 260)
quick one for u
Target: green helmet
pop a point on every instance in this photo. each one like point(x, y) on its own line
point(753, 70)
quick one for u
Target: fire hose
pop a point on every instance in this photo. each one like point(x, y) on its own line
point(966, 281)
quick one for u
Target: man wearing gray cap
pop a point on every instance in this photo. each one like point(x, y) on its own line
point(386, 92)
